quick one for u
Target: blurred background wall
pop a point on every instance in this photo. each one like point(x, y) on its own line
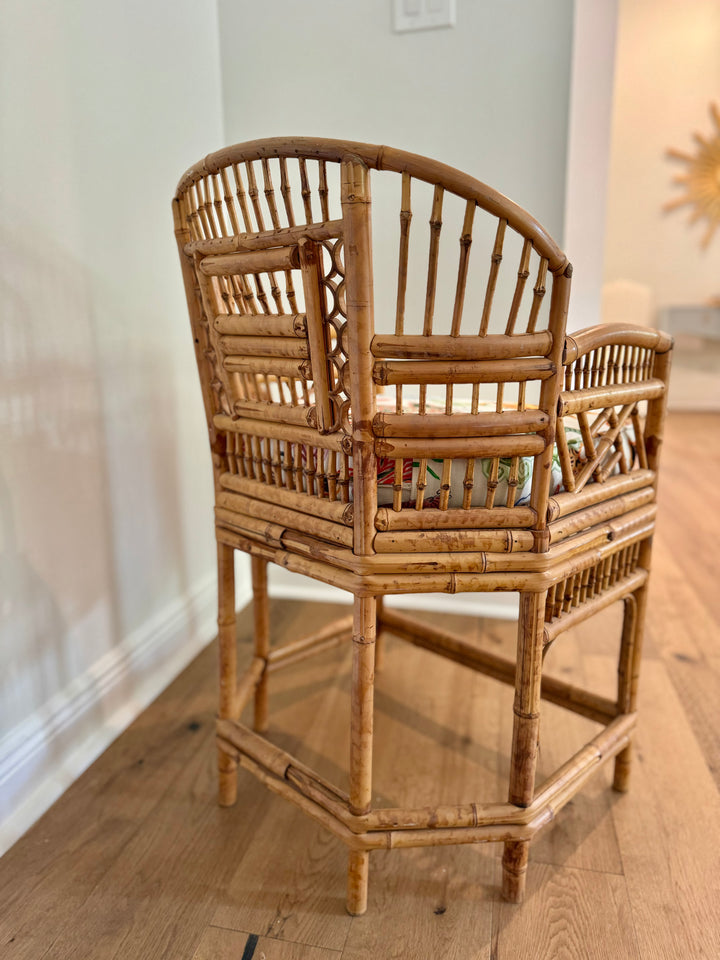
point(667, 73)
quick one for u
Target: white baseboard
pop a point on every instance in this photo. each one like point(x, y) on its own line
point(46, 752)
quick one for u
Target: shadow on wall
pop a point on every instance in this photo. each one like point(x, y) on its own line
point(53, 498)
point(89, 499)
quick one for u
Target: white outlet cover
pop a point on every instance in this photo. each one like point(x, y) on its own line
point(422, 14)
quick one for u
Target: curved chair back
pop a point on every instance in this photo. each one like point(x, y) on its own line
point(275, 238)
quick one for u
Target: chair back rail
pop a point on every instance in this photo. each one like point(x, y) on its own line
point(275, 240)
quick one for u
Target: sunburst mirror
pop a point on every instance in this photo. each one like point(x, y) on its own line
point(701, 179)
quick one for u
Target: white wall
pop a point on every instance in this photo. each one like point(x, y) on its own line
point(668, 70)
point(489, 96)
point(591, 97)
point(106, 551)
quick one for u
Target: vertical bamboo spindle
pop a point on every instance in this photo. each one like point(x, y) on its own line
point(495, 261)
point(405, 219)
point(227, 766)
point(359, 283)
point(526, 729)
point(435, 228)
point(361, 737)
point(261, 615)
point(465, 243)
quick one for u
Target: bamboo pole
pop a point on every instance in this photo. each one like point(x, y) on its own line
point(264, 410)
point(495, 261)
point(465, 347)
point(261, 619)
point(549, 389)
point(294, 434)
point(257, 241)
point(286, 517)
point(526, 733)
point(252, 261)
point(629, 663)
point(563, 504)
point(227, 640)
point(465, 244)
point(456, 519)
point(462, 371)
point(405, 220)
point(475, 425)
point(606, 335)
point(270, 347)
point(435, 228)
point(247, 685)
point(579, 401)
point(334, 511)
point(523, 274)
point(621, 778)
point(655, 420)
point(606, 510)
point(355, 185)
point(273, 366)
point(379, 635)
point(539, 291)
point(361, 740)
point(261, 324)
point(418, 540)
point(517, 445)
point(317, 332)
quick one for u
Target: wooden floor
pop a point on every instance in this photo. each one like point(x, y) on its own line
point(137, 861)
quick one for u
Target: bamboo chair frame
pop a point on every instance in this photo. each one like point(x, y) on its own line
point(297, 439)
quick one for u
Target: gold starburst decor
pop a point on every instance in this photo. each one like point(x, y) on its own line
point(701, 180)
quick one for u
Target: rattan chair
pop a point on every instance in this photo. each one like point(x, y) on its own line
point(470, 446)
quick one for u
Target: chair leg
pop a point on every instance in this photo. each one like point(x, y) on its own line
point(629, 675)
point(261, 614)
point(379, 636)
point(526, 729)
point(227, 640)
point(361, 738)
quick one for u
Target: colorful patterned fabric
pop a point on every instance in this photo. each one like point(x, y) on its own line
point(483, 471)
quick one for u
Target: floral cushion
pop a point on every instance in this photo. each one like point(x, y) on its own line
point(483, 469)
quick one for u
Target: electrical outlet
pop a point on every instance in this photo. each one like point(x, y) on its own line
point(422, 14)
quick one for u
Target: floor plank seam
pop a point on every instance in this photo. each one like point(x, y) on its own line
point(269, 936)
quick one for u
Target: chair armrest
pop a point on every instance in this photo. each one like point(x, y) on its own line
point(614, 334)
point(608, 370)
